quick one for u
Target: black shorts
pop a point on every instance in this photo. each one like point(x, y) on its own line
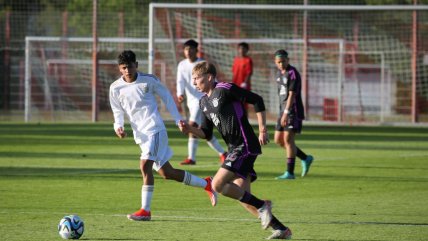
point(293, 124)
point(241, 162)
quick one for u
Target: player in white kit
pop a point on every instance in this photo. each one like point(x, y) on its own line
point(134, 95)
point(186, 89)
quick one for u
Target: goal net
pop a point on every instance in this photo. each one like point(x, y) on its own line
point(358, 62)
point(58, 81)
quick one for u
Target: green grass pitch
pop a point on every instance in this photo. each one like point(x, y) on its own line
point(367, 183)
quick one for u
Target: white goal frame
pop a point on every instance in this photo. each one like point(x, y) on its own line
point(304, 8)
point(28, 68)
point(153, 6)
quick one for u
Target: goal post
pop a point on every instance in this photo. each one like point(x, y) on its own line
point(349, 46)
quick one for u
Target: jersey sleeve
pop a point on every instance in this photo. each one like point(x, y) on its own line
point(118, 112)
point(247, 96)
point(294, 80)
point(167, 99)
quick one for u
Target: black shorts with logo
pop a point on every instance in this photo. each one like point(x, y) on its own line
point(241, 162)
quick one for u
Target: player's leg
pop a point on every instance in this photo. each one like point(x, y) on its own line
point(290, 146)
point(275, 223)
point(192, 147)
point(215, 145)
point(146, 164)
point(187, 178)
point(279, 138)
point(193, 142)
point(223, 182)
point(144, 214)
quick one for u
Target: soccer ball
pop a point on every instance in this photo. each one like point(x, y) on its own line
point(71, 227)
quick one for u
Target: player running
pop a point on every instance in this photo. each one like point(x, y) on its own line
point(223, 107)
point(134, 95)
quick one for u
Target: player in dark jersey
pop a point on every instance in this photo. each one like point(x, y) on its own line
point(223, 107)
point(291, 114)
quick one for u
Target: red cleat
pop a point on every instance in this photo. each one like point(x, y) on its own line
point(140, 215)
point(211, 193)
point(188, 161)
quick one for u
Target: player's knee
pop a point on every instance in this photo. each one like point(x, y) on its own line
point(217, 186)
point(167, 174)
point(279, 142)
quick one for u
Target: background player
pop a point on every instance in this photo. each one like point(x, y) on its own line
point(242, 67)
point(186, 89)
point(291, 114)
point(222, 107)
point(134, 95)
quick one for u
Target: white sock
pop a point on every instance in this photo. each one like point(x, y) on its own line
point(146, 196)
point(194, 181)
point(192, 147)
point(215, 145)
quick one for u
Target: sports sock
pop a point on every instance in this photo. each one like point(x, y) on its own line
point(248, 198)
point(300, 154)
point(290, 165)
point(276, 224)
point(215, 145)
point(146, 196)
point(194, 181)
point(192, 147)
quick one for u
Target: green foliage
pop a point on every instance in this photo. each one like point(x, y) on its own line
point(367, 183)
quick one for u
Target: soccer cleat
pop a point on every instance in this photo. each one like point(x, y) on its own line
point(140, 215)
point(285, 176)
point(211, 193)
point(280, 234)
point(223, 157)
point(188, 161)
point(265, 214)
point(306, 164)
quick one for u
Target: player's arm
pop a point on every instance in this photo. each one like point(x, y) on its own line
point(288, 104)
point(180, 85)
point(118, 115)
point(205, 131)
point(168, 100)
point(259, 107)
point(294, 80)
point(247, 96)
point(249, 73)
point(263, 134)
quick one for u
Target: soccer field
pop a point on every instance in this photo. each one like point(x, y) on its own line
point(367, 183)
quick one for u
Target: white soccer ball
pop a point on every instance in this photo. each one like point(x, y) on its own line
point(71, 227)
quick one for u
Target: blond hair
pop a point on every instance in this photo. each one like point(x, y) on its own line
point(204, 67)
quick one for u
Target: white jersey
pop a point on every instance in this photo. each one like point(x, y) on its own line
point(138, 101)
point(185, 83)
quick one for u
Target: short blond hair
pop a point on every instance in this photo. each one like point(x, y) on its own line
point(204, 67)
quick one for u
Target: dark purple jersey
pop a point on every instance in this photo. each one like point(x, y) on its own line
point(224, 109)
point(290, 81)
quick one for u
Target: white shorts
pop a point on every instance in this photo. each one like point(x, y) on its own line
point(195, 113)
point(155, 148)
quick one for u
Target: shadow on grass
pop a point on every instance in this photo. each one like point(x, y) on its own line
point(63, 173)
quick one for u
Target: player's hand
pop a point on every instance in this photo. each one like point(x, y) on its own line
point(243, 85)
point(183, 126)
point(284, 119)
point(263, 138)
point(180, 98)
point(120, 132)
